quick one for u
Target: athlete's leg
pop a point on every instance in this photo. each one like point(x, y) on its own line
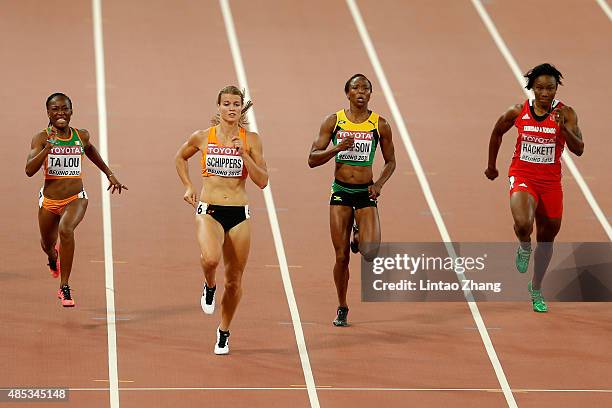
point(71, 217)
point(210, 237)
point(546, 229)
point(235, 254)
point(523, 206)
point(48, 224)
point(340, 223)
point(369, 232)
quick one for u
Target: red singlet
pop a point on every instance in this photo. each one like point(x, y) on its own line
point(539, 145)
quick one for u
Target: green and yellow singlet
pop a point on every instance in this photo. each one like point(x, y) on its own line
point(366, 139)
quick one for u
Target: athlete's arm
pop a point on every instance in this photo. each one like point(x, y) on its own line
point(568, 122)
point(254, 160)
point(319, 154)
point(39, 149)
point(388, 151)
point(185, 152)
point(92, 153)
point(504, 124)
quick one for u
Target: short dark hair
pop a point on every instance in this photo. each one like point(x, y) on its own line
point(55, 95)
point(348, 83)
point(542, 69)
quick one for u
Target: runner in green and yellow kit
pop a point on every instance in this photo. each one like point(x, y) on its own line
point(355, 134)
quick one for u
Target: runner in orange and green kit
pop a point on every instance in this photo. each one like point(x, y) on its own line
point(62, 201)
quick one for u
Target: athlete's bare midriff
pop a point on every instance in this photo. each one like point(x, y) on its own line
point(224, 190)
point(353, 174)
point(59, 189)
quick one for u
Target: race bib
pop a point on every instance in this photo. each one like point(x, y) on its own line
point(64, 161)
point(542, 153)
point(362, 146)
point(223, 161)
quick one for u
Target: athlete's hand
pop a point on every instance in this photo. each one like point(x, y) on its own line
point(239, 146)
point(346, 143)
point(191, 197)
point(374, 191)
point(115, 184)
point(559, 115)
point(491, 173)
point(52, 139)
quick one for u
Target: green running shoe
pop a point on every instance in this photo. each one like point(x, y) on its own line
point(522, 259)
point(537, 300)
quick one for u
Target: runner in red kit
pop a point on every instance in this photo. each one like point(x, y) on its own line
point(545, 125)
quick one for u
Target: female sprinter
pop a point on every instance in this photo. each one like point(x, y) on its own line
point(355, 134)
point(544, 126)
point(62, 201)
point(229, 154)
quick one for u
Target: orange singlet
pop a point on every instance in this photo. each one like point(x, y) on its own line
point(223, 161)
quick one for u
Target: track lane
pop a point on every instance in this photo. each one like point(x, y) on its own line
point(331, 53)
point(43, 344)
point(472, 50)
point(165, 340)
point(582, 37)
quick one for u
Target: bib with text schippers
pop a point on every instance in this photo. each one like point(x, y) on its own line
point(223, 161)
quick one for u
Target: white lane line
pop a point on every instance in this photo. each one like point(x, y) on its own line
point(606, 8)
point(431, 202)
point(569, 162)
point(106, 208)
point(329, 388)
point(267, 192)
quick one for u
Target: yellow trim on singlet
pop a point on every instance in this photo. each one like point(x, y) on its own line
point(370, 125)
point(366, 125)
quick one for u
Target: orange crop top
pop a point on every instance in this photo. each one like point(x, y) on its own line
point(223, 161)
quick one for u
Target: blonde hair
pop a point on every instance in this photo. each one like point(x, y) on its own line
point(233, 90)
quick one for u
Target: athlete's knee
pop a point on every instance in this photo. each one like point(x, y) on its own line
point(209, 263)
point(523, 226)
point(546, 236)
point(66, 233)
point(342, 258)
point(369, 250)
point(233, 287)
point(548, 233)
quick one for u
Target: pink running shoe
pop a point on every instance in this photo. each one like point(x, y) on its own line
point(64, 294)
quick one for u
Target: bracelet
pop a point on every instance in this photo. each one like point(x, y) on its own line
point(109, 175)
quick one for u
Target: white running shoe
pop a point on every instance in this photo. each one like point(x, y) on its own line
point(222, 344)
point(207, 301)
